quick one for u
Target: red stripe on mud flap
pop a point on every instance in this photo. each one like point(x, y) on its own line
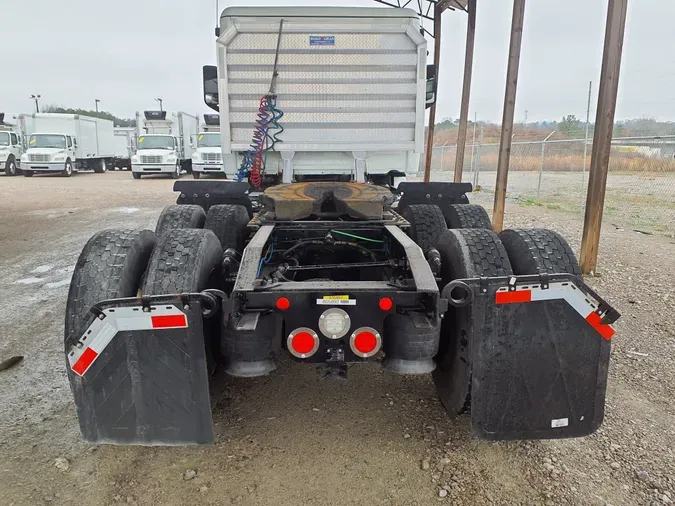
point(604, 330)
point(169, 321)
point(513, 297)
point(86, 359)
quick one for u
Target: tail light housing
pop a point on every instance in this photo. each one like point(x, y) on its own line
point(303, 342)
point(365, 342)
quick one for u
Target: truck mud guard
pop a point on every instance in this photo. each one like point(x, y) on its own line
point(211, 193)
point(139, 373)
point(441, 194)
point(539, 352)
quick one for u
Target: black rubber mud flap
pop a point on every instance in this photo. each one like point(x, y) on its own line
point(540, 348)
point(146, 387)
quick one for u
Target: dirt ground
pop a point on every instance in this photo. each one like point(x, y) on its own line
point(292, 438)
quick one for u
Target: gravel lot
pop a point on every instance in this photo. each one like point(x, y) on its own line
point(292, 438)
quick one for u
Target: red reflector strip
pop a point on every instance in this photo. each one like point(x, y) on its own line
point(513, 297)
point(86, 359)
point(604, 330)
point(169, 321)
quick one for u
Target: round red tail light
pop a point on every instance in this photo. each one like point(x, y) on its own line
point(302, 342)
point(386, 303)
point(283, 303)
point(365, 342)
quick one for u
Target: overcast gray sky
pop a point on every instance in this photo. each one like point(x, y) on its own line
point(127, 52)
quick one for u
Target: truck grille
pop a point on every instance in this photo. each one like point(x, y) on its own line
point(151, 158)
point(38, 158)
point(212, 157)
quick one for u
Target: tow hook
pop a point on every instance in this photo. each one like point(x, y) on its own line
point(335, 364)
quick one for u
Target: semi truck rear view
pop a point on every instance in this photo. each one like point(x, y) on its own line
point(317, 249)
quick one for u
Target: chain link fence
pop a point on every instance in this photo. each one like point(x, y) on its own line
point(640, 183)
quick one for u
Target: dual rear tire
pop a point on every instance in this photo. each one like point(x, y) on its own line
point(470, 249)
point(179, 257)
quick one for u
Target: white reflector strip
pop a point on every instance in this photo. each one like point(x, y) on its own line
point(582, 303)
point(101, 332)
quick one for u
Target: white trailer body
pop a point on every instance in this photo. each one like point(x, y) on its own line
point(351, 85)
point(66, 143)
point(11, 144)
point(125, 139)
point(207, 158)
point(164, 143)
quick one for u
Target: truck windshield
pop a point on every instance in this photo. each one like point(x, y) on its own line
point(211, 140)
point(4, 139)
point(155, 142)
point(47, 141)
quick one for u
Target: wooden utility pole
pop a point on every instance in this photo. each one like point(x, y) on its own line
point(432, 110)
point(602, 137)
point(509, 111)
point(466, 91)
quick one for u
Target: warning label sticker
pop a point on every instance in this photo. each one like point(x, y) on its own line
point(336, 300)
point(322, 40)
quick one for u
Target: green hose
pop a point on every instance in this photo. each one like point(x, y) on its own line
point(358, 237)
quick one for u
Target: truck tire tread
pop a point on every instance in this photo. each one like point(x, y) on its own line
point(467, 216)
point(110, 266)
point(465, 253)
point(229, 223)
point(182, 261)
point(427, 223)
point(539, 251)
point(180, 216)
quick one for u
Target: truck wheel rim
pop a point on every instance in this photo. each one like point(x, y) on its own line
point(12, 168)
point(69, 169)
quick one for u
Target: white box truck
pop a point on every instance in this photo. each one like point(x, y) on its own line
point(66, 143)
point(207, 158)
point(352, 87)
point(11, 145)
point(125, 147)
point(163, 144)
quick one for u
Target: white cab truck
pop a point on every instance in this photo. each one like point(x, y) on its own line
point(163, 144)
point(352, 87)
point(125, 141)
point(11, 147)
point(207, 158)
point(66, 143)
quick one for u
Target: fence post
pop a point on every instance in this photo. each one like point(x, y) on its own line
point(477, 167)
point(473, 142)
point(541, 163)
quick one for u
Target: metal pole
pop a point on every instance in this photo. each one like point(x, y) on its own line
point(588, 118)
point(432, 110)
point(602, 137)
point(509, 110)
point(466, 91)
point(541, 163)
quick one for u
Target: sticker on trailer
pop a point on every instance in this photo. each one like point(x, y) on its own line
point(559, 422)
point(102, 331)
point(322, 40)
point(336, 300)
